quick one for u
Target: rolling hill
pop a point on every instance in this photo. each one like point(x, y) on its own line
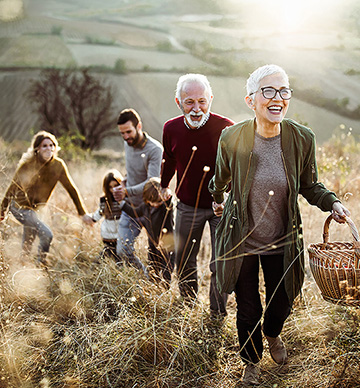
point(154, 47)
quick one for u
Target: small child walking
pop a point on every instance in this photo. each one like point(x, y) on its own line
point(111, 211)
point(158, 220)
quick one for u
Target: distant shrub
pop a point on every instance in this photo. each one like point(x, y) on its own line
point(165, 46)
point(343, 102)
point(56, 30)
point(70, 150)
point(352, 72)
point(120, 66)
point(104, 42)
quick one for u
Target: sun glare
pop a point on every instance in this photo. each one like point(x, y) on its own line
point(300, 14)
point(293, 13)
point(10, 10)
point(284, 16)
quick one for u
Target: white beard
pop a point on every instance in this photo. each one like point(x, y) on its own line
point(196, 124)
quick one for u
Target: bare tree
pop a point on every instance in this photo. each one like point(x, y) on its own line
point(74, 103)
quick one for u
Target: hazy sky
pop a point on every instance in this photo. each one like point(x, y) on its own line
point(291, 15)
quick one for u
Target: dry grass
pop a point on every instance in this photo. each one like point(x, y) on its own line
point(84, 323)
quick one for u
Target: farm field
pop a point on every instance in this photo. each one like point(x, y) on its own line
point(37, 51)
point(138, 89)
point(59, 33)
point(135, 59)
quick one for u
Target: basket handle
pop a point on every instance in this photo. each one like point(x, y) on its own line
point(348, 220)
point(354, 233)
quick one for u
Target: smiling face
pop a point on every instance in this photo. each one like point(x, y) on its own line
point(46, 150)
point(195, 103)
point(269, 112)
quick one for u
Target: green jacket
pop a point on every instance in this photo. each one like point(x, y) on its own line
point(236, 163)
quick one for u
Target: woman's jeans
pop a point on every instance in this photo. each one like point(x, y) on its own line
point(32, 227)
point(249, 307)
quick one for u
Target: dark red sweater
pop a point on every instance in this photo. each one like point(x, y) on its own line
point(178, 142)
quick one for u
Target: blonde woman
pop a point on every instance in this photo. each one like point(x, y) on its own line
point(35, 178)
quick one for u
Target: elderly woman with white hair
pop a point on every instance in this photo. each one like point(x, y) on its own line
point(269, 161)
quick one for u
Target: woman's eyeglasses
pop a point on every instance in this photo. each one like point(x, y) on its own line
point(269, 93)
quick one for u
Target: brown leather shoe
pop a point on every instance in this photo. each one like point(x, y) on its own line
point(277, 349)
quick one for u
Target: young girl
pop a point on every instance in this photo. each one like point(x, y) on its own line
point(35, 178)
point(110, 209)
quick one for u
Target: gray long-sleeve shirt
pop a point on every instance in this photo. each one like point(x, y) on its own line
point(141, 164)
point(268, 214)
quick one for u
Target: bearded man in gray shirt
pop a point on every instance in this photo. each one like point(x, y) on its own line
point(143, 156)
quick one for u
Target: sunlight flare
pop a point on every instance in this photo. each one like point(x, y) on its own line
point(11, 10)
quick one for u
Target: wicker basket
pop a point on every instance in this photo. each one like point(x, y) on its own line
point(336, 267)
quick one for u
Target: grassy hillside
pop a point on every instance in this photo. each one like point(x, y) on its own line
point(86, 323)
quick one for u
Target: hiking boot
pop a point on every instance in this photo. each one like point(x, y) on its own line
point(277, 349)
point(251, 375)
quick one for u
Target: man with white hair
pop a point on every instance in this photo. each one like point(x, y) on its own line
point(190, 145)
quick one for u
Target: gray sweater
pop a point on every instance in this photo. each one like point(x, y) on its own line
point(141, 164)
point(268, 213)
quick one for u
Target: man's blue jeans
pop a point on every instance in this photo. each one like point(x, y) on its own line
point(33, 227)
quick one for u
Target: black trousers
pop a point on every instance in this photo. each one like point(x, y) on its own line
point(249, 307)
